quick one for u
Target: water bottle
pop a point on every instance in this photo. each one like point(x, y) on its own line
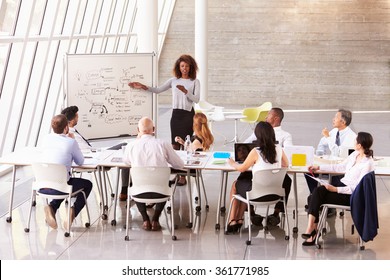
point(187, 146)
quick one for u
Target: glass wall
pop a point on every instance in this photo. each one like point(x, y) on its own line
point(35, 35)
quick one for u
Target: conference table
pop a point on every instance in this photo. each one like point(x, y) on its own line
point(27, 156)
point(99, 161)
point(197, 161)
point(382, 168)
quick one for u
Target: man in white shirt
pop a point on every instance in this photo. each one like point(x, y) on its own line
point(147, 150)
point(341, 136)
point(274, 118)
point(284, 139)
point(59, 148)
point(332, 142)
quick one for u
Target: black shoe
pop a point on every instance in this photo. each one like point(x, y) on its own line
point(308, 235)
point(231, 228)
point(273, 220)
point(309, 243)
point(257, 220)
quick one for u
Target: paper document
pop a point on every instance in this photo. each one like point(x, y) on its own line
point(321, 181)
point(192, 162)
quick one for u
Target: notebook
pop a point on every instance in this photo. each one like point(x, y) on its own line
point(117, 147)
point(241, 151)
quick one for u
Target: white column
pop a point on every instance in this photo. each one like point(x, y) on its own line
point(147, 30)
point(201, 45)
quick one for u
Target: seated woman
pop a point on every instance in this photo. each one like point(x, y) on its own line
point(267, 155)
point(200, 141)
point(358, 164)
point(202, 138)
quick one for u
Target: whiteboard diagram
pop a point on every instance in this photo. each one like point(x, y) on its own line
point(98, 86)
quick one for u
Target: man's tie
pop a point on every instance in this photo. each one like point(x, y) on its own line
point(86, 141)
point(338, 138)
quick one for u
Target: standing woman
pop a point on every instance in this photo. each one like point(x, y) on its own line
point(185, 92)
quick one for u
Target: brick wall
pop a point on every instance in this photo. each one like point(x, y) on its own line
point(297, 54)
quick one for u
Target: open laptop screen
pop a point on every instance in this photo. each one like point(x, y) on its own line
point(241, 151)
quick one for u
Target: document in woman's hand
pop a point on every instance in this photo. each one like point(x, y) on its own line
point(321, 181)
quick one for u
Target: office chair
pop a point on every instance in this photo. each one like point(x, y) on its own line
point(266, 190)
point(150, 180)
point(204, 106)
point(251, 116)
point(363, 208)
point(264, 109)
point(53, 176)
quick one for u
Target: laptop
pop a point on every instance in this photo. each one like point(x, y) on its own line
point(241, 151)
point(300, 155)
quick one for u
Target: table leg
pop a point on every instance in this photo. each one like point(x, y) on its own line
point(101, 191)
point(222, 196)
point(11, 197)
point(235, 138)
point(197, 181)
point(113, 222)
point(295, 215)
point(217, 225)
point(189, 195)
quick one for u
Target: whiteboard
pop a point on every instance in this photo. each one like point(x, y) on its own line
point(98, 85)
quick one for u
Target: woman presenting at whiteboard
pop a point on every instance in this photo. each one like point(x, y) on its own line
point(185, 91)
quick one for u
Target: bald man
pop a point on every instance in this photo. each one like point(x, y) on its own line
point(145, 151)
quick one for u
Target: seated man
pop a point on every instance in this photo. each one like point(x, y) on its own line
point(59, 148)
point(72, 115)
point(147, 150)
point(331, 142)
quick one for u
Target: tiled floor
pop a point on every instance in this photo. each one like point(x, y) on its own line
point(104, 241)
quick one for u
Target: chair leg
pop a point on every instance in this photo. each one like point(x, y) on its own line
point(321, 225)
point(287, 236)
point(67, 230)
point(228, 215)
point(88, 224)
point(172, 219)
point(33, 198)
point(127, 238)
point(248, 212)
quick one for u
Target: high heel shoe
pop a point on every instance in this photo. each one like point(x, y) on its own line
point(231, 228)
point(308, 235)
point(310, 243)
point(239, 224)
point(313, 241)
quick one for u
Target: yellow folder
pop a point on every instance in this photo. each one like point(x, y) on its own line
point(298, 160)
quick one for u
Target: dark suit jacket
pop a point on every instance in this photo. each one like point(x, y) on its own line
point(364, 209)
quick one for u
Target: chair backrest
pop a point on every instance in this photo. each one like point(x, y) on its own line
point(264, 109)
point(217, 115)
point(251, 114)
point(150, 179)
point(267, 182)
point(52, 176)
point(205, 106)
